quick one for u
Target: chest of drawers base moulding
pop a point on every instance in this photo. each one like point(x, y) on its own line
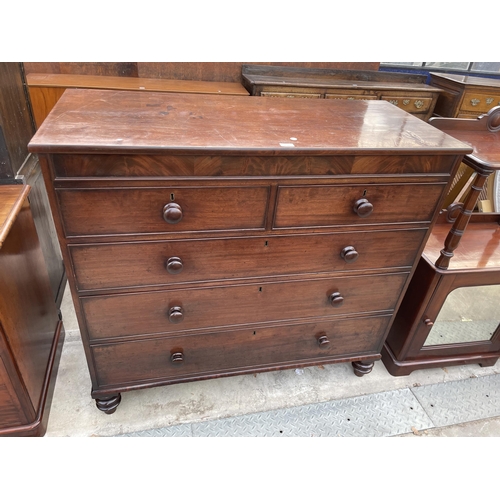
point(208, 236)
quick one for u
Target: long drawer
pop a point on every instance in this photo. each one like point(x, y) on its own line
point(162, 210)
point(171, 311)
point(182, 261)
point(303, 206)
point(189, 355)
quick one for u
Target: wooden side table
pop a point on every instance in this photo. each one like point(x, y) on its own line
point(31, 333)
point(450, 312)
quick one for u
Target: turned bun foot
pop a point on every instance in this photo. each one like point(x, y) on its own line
point(362, 368)
point(109, 404)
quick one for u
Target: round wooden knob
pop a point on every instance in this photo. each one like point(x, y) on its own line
point(172, 213)
point(174, 265)
point(323, 341)
point(349, 254)
point(336, 300)
point(175, 314)
point(363, 208)
point(428, 322)
point(177, 357)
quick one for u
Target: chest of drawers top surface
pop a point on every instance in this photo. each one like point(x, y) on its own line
point(130, 122)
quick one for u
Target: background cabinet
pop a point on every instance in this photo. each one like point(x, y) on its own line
point(406, 91)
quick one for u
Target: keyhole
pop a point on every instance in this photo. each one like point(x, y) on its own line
point(364, 193)
point(260, 289)
point(265, 244)
point(172, 197)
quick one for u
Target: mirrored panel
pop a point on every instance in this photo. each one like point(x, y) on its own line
point(469, 314)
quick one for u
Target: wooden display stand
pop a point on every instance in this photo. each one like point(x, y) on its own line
point(470, 258)
point(31, 333)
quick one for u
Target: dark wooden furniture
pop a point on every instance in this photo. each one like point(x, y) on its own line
point(406, 91)
point(18, 166)
point(220, 235)
point(46, 89)
point(31, 334)
point(460, 268)
point(465, 96)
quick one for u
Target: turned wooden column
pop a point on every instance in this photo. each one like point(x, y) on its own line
point(489, 122)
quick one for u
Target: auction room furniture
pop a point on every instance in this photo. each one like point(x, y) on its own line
point(465, 96)
point(46, 89)
point(221, 235)
point(450, 314)
point(31, 334)
point(406, 91)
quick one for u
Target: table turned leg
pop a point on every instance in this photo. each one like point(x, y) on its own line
point(108, 404)
point(362, 368)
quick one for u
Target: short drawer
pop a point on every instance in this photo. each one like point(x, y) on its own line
point(165, 312)
point(410, 104)
point(161, 210)
point(323, 206)
point(177, 358)
point(118, 265)
point(479, 103)
point(352, 97)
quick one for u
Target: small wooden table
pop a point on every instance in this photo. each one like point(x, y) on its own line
point(450, 312)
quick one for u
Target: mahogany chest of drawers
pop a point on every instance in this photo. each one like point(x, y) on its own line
point(207, 236)
point(406, 91)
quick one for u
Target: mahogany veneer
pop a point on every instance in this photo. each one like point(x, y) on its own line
point(31, 334)
point(207, 236)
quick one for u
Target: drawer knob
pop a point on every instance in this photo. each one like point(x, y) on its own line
point(428, 322)
point(174, 265)
point(177, 357)
point(336, 300)
point(323, 341)
point(363, 208)
point(175, 314)
point(349, 254)
point(172, 213)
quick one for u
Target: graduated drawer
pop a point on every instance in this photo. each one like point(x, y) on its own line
point(233, 351)
point(307, 206)
point(410, 104)
point(108, 211)
point(117, 265)
point(146, 313)
point(479, 103)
